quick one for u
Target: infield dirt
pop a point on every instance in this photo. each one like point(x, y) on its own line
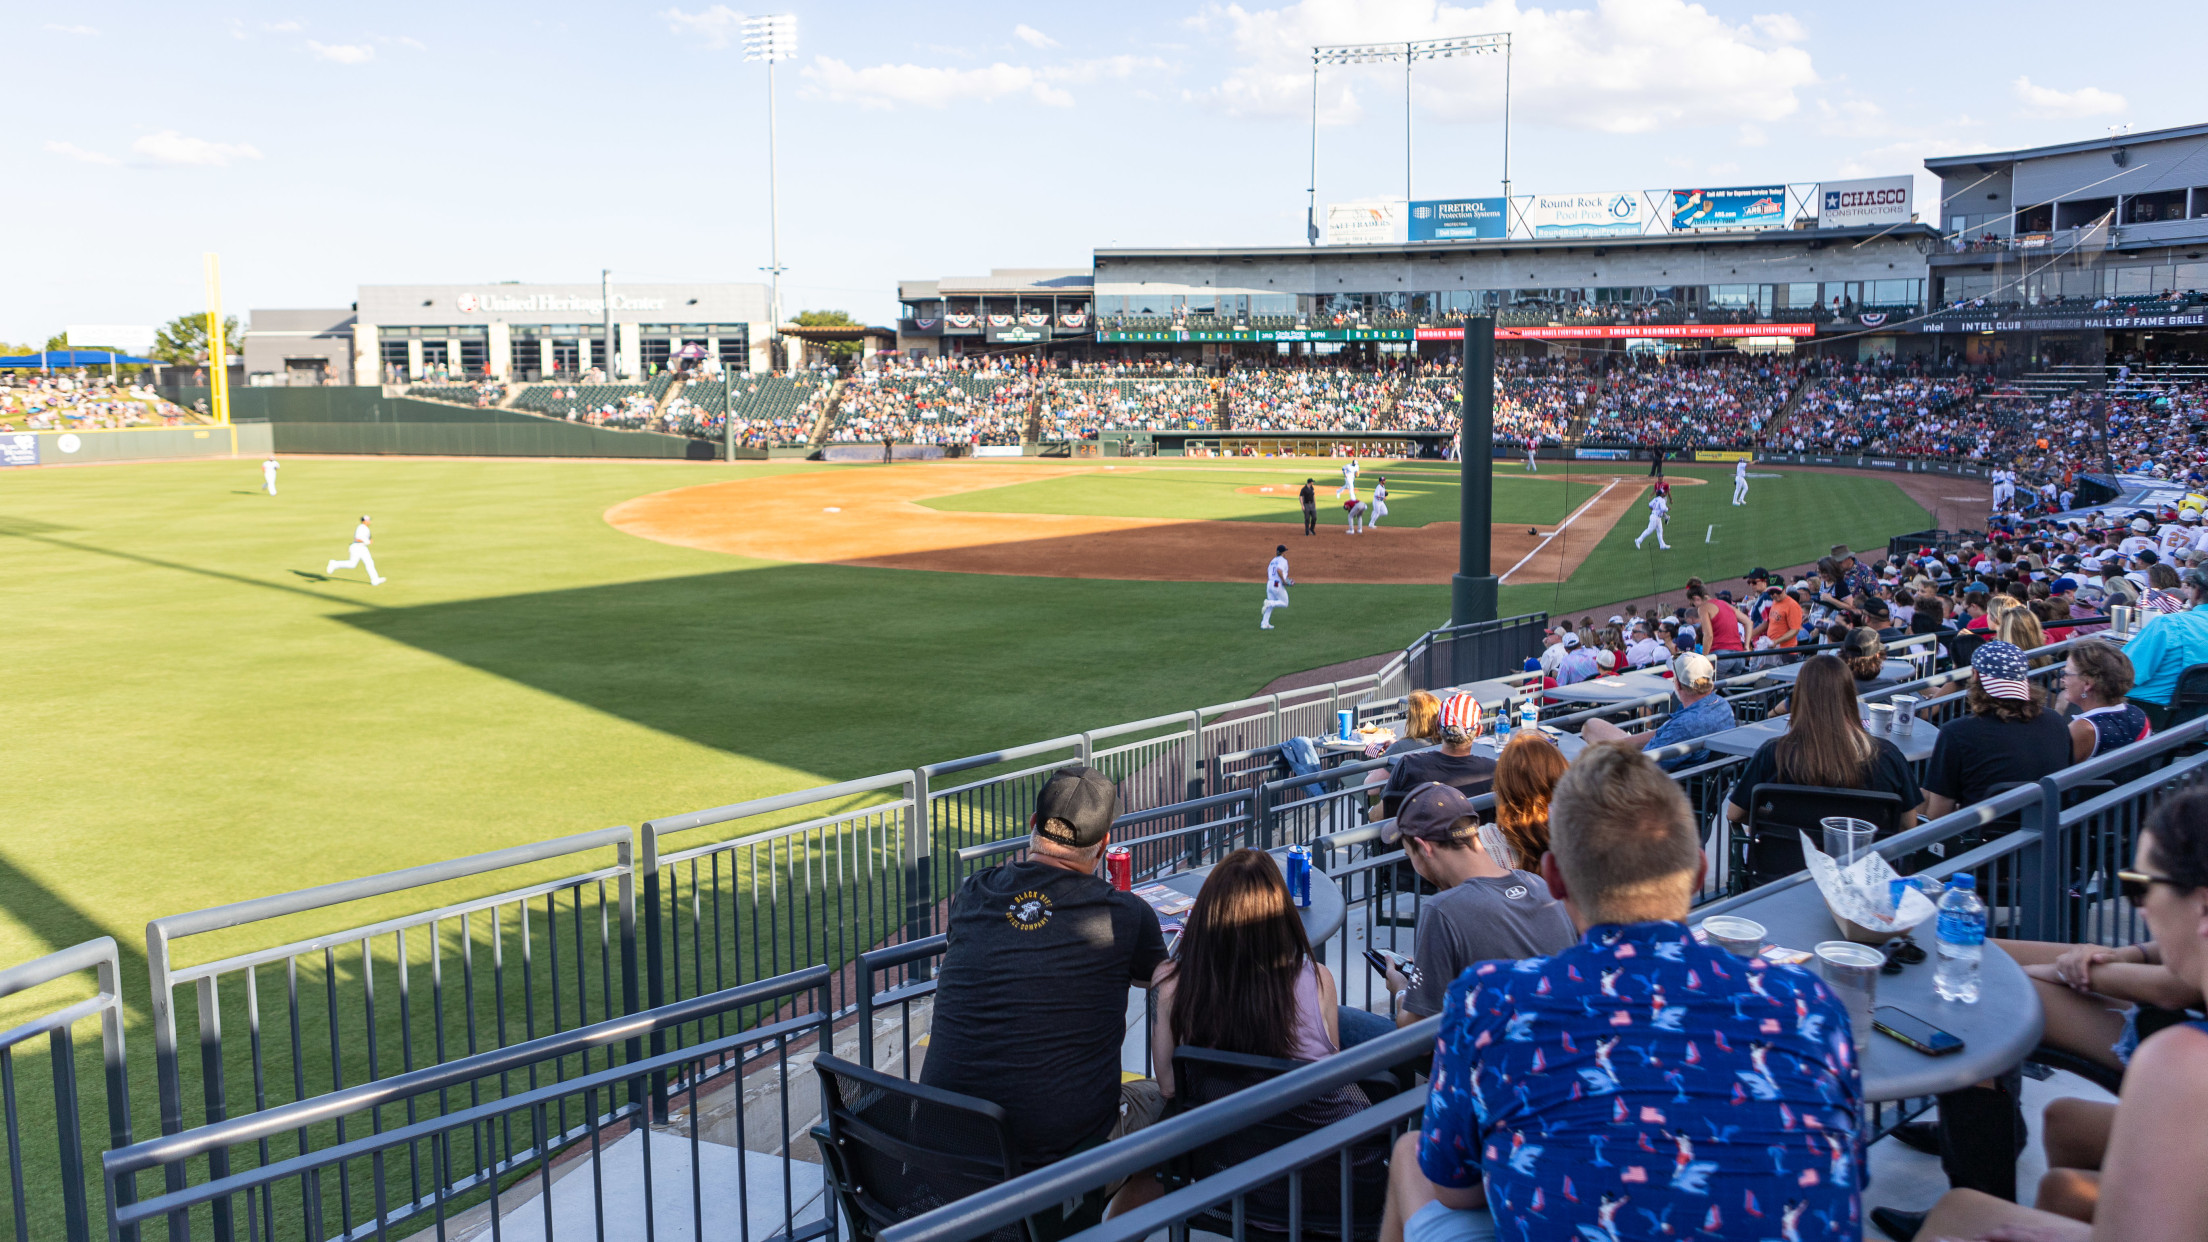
point(872, 517)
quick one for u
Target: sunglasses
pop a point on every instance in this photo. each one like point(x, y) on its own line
point(2136, 883)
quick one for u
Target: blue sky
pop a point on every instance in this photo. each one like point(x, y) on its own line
point(319, 147)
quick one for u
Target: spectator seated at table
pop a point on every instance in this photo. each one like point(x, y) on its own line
point(2006, 736)
point(1031, 997)
point(1484, 911)
point(2166, 646)
point(1638, 1084)
point(2149, 1186)
point(1577, 663)
point(1702, 711)
point(1865, 655)
point(1451, 763)
point(1826, 745)
point(1526, 774)
point(1242, 977)
point(2095, 680)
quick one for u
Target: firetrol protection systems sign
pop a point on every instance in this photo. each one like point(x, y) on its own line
point(1460, 219)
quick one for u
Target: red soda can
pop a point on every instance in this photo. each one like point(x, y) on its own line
point(1119, 867)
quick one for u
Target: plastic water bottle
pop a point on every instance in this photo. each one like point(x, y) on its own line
point(1529, 713)
point(1962, 940)
point(1502, 723)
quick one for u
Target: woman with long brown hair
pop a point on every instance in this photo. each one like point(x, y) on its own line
point(1824, 745)
point(1526, 774)
point(1243, 977)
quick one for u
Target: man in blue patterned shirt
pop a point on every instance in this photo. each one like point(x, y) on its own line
point(1638, 1085)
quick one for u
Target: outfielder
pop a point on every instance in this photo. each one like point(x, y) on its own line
point(359, 554)
point(1531, 443)
point(1349, 479)
point(1277, 583)
point(1658, 509)
point(1740, 481)
point(1379, 501)
point(268, 475)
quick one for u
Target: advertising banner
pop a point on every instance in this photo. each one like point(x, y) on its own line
point(1627, 332)
point(1374, 222)
point(20, 449)
point(1460, 219)
point(1871, 200)
point(1726, 455)
point(1592, 454)
point(1583, 215)
point(1737, 207)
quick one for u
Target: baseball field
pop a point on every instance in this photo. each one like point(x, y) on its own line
point(568, 645)
point(198, 713)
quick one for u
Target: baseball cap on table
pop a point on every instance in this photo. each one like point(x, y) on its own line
point(1081, 796)
point(1460, 714)
point(1432, 812)
point(2001, 670)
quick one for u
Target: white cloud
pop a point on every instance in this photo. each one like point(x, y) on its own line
point(1032, 37)
point(2046, 101)
point(58, 28)
point(343, 53)
point(170, 147)
point(714, 26)
point(283, 27)
point(887, 86)
point(70, 150)
point(1622, 66)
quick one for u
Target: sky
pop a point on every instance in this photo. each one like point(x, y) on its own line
point(320, 147)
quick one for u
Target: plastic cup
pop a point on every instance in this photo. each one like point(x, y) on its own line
point(1848, 839)
point(1905, 714)
point(1737, 936)
point(1851, 971)
point(1882, 720)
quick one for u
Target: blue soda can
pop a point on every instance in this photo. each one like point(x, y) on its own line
point(1299, 876)
point(1345, 724)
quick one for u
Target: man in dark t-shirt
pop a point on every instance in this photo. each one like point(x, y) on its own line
point(1310, 498)
point(2006, 737)
point(1452, 763)
point(1031, 999)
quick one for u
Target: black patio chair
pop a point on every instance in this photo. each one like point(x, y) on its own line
point(893, 1149)
point(1772, 850)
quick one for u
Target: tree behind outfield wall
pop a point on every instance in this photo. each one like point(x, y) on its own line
point(182, 341)
point(831, 319)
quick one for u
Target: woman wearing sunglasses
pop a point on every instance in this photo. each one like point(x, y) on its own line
point(2148, 1186)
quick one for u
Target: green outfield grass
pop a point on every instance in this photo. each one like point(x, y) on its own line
point(1416, 497)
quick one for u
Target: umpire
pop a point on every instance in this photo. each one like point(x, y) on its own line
point(1310, 497)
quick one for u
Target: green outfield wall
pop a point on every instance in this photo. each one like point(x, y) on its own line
point(363, 420)
point(61, 448)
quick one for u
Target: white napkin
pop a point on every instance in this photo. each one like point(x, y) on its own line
point(1858, 892)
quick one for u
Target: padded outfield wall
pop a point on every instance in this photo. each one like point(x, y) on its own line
point(62, 448)
point(363, 420)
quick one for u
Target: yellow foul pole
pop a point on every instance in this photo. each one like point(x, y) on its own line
point(218, 350)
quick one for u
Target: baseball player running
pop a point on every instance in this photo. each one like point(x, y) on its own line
point(1740, 481)
point(359, 554)
point(268, 475)
point(1349, 479)
point(1658, 509)
point(1277, 583)
point(1379, 507)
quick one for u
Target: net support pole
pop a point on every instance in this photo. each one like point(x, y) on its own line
point(1472, 592)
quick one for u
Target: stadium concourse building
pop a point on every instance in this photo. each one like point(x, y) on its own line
point(510, 331)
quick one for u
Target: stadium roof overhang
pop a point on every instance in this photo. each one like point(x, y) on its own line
point(1992, 158)
point(828, 333)
point(1407, 250)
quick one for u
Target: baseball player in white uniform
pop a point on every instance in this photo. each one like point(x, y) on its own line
point(359, 555)
point(268, 475)
point(1658, 509)
point(1277, 583)
point(1740, 481)
point(1379, 507)
point(1349, 479)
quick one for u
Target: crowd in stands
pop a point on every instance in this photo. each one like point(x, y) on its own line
point(1593, 1054)
point(1879, 409)
point(1719, 403)
point(84, 403)
point(487, 392)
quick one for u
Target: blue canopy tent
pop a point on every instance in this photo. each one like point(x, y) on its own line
point(50, 358)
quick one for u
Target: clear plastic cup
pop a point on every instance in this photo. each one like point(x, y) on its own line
point(1851, 971)
point(1848, 839)
point(1881, 723)
point(1737, 936)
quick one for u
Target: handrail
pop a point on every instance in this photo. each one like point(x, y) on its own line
point(978, 1215)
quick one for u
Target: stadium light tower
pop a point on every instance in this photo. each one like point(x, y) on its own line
point(772, 39)
point(1409, 52)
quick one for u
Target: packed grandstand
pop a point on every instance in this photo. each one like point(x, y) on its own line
point(84, 403)
point(1879, 408)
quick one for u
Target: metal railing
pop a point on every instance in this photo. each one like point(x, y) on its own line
point(466, 1136)
point(58, 1118)
point(534, 957)
point(1456, 654)
point(2016, 844)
